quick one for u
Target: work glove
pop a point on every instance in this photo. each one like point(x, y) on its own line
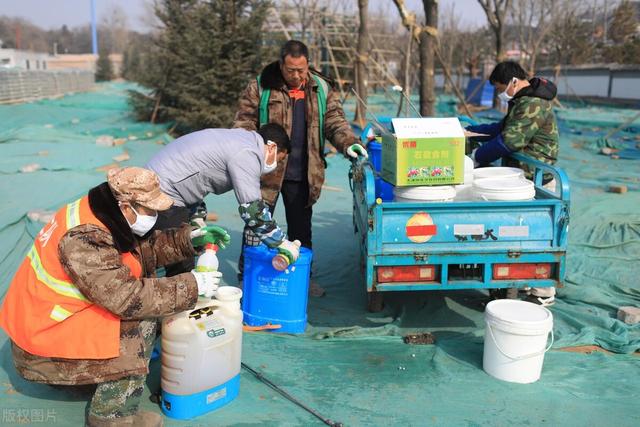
point(289, 249)
point(198, 222)
point(210, 234)
point(208, 282)
point(355, 150)
point(490, 151)
point(250, 238)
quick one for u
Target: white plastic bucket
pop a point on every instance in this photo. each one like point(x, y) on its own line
point(464, 192)
point(515, 340)
point(468, 178)
point(497, 172)
point(440, 193)
point(506, 189)
point(468, 165)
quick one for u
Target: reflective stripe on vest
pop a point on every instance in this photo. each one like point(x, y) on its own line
point(56, 285)
point(59, 314)
point(73, 214)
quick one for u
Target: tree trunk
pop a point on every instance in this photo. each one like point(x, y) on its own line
point(533, 61)
point(428, 42)
point(499, 52)
point(361, 63)
point(407, 76)
point(499, 57)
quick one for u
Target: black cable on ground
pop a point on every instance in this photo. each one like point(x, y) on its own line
point(266, 381)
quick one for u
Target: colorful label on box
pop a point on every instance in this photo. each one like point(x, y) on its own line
point(424, 151)
point(426, 161)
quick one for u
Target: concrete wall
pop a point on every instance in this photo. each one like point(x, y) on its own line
point(22, 85)
point(83, 62)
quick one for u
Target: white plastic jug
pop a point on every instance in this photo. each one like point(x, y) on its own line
point(201, 351)
point(515, 340)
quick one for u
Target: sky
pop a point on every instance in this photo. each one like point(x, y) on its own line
point(50, 14)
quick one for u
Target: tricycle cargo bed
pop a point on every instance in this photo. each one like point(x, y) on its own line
point(465, 244)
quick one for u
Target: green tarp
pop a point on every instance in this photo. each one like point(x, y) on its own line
point(352, 366)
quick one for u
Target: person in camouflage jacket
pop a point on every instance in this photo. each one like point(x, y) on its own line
point(91, 256)
point(529, 127)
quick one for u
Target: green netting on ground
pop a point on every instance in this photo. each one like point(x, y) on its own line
point(351, 365)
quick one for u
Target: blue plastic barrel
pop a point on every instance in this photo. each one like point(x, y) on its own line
point(384, 190)
point(479, 96)
point(275, 297)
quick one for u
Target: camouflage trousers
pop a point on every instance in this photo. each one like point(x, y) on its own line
point(121, 398)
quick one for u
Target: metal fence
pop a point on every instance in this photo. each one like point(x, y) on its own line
point(29, 85)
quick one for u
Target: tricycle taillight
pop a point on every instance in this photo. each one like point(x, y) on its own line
point(406, 273)
point(522, 271)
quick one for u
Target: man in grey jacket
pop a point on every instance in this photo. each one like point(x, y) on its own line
point(216, 161)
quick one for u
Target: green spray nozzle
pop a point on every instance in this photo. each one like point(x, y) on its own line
point(214, 235)
point(218, 234)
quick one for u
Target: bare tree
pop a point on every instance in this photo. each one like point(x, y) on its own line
point(533, 20)
point(362, 56)
point(625, 23)
point(116, 29)
point(450, 39)
point(426, 36)
point(305, 9)
point(496, 11)
point(570, 38)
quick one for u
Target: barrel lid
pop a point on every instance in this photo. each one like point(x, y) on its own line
point(228, 293)
point(503, 184)
point(521, 314)
point(439, 192)
point(497, 171)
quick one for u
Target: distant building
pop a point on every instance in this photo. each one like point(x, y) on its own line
point(28, 60)
point(23, 59)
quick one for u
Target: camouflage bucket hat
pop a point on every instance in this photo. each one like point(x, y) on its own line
point(138, 185)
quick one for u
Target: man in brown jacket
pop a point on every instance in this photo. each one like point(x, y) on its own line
point(288, 93)
point(92, 299)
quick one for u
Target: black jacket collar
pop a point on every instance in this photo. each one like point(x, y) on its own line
point(105, 207)
point(271, 78)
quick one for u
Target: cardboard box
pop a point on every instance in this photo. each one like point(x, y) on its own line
point(427, 151)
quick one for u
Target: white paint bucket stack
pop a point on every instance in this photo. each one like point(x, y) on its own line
point(502, 184)
point(464, 192)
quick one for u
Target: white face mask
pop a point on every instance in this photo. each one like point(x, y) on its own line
point(504, 96)
point(268, 168)
point(143, 223)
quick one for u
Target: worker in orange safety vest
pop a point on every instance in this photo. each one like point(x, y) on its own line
point(83, 306)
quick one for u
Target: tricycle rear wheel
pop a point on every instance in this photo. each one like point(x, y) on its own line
point(375, 301)
point(504, 293)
